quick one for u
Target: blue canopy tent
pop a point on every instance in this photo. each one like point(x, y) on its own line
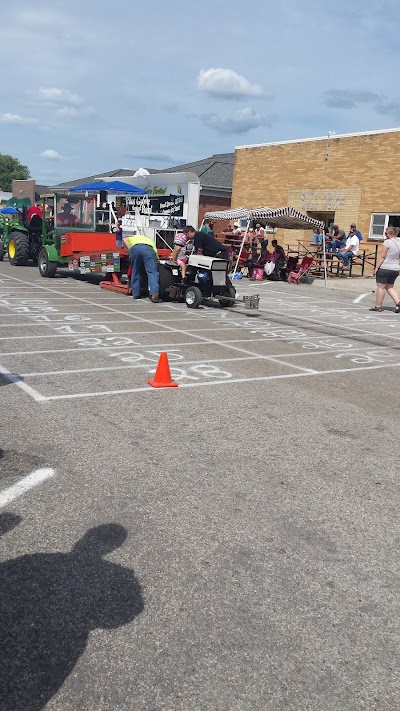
point(113, 186)
point(9, 211)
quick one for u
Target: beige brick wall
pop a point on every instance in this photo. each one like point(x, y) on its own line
point(24, 189)
point(359, 177)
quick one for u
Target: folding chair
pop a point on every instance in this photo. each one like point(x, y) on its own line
point(302, 269)
point(243, 261)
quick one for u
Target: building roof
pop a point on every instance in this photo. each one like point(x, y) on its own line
point(41, 190)
point(332, 135)
point(214, 172)
point(91, 178)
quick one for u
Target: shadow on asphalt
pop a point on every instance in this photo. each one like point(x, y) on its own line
point(8, 521)
point(49, 603)
point(9, 379)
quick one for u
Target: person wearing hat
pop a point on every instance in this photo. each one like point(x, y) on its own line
point(237, 230)
point(349, 250)
point(357, 232)
point(339, 241)
point(66, 217)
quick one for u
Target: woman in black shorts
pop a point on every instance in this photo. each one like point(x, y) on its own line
point(387, 270)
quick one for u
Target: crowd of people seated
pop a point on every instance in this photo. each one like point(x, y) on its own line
point(262, 262)
point(337, 243)
point(258, 259)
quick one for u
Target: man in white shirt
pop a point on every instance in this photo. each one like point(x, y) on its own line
point(259, 232)
point(350, 249)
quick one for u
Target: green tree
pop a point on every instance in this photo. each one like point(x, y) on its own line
point(11, 169)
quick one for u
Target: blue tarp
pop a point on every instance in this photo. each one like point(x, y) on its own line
point(9, 211)
point(113, 186)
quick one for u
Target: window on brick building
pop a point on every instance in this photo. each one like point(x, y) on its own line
point(380, 221)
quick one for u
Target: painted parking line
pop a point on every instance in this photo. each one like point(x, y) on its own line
point(24, 485)
point(359, 298)
point(352, 328)
point(284, 376)
point(15, 379)
point(225, 320)
point(186, 333)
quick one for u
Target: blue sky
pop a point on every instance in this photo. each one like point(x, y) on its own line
point(88, 87)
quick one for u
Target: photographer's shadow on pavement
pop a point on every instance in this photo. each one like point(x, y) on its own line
point(8, 521)
point(49, 603)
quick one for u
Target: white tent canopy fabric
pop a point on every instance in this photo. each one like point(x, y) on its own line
point(238, 213)
point(286, 217)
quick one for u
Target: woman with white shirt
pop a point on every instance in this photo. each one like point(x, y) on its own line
point(387, 270)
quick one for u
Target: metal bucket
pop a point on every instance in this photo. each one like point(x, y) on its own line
point(251, 302)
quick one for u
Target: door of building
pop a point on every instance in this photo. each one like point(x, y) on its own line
point(328, 218)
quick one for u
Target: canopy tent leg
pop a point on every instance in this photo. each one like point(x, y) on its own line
point(241, 248)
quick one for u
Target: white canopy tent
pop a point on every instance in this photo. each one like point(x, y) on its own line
point(286, 217)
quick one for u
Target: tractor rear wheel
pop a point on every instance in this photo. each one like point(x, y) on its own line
point(166, 281)
point(46, 267)
point(18, 248)
point(1, 250)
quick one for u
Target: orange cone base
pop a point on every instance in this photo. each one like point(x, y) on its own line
point(162, 378)
point(153, 384)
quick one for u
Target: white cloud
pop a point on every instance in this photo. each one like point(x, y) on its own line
point(50, 154)
point(226, 84)
point(15, 118)
point(74, 111)
point(62, 102)
point(240, 121)
point(57, 96)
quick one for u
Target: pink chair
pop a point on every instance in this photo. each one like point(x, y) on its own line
point(302, 269)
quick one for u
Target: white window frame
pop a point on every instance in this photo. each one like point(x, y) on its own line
point(388, 215)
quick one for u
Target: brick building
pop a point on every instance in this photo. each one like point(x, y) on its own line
point(338, 179)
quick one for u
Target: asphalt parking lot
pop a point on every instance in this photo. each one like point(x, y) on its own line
point(227, 545)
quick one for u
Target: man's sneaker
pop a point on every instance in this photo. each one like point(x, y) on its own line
point(154, 299)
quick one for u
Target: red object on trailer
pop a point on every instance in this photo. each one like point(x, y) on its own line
point(73, 243)
point(113, 282)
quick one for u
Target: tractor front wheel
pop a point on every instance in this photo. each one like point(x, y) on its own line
point(18, 248)
point(46, 267)
point(193, 297)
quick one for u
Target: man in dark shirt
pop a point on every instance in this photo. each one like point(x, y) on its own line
point(205, 243)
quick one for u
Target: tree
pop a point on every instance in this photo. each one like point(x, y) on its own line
point(11, 169)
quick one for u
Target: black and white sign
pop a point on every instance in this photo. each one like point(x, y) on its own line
point(158, 205)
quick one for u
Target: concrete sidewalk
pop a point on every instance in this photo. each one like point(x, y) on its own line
point(364, 285)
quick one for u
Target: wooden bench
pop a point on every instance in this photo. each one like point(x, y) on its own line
point(366, 257)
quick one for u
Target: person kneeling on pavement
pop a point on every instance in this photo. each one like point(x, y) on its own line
point(143, 253)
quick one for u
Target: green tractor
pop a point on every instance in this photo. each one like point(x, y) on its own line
point(7, 225)
point(22, 240)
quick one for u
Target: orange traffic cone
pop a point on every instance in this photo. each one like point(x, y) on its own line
point(162, 378)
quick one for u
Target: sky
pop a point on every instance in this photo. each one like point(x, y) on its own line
point(95, 86)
